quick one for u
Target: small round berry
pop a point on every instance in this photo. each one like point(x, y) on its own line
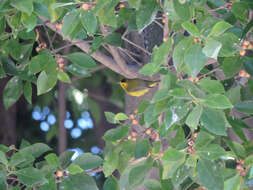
point(121, 5)
point(243, 52)
point(85, 6)
point(58, 26)
point(245, 43)
point(148, 131)
point(135, 122)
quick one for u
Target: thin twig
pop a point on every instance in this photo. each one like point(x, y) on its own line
point(158, 23)
point(100, 169)
point(129, 55)
point(137, 46)
point(48, 38)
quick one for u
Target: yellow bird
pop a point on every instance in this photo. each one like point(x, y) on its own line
point(137, 87)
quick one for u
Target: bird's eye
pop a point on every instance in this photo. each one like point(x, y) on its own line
point(123, 80)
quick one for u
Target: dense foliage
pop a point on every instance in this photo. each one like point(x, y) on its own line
point(210, 44)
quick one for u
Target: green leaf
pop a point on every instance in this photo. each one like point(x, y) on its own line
point(195, 59)
point(245, 107)
point(39, 63)
point(113, 39)
point(203, 139)
point(111, 183)
point(214, 121)
point(17, 159)
point(138, 173)
point(211, 152)
point(211, 86)
point(210, 175)
point(45, 82)
point(3, 158)
point(70, 22)
point(179, 51)
point(145, 14)
point(74, 169)
point(65, 158)
point(13, 47)
point(29, 21)
point(77, 70)
point(143, 106)
point(62, 76)
point(159, 56)
point(97, 41)
point(152, 184)
point(23, 5)
point(110, 117)
point(182, 10)
point(219, 28)
point(172, 155)
point(217, 101)
point(249, 161)
point(89, 21)
point(111, 162)
point(149, 69)
point(160, 95)
point(237, 126)
point(88, 161)
point(28, 92)
point(248, 64)
point(237, 148)
point(232, 183)
point(192, 119)
point(52, 159)
point(120, 117)
point(212, 48)
point(31, 176)
point(191, 28)
point(12, 91)
point(231, 65)
point(116, 133)
point(228, 48)
point(142, 148)
point(36, 149)
point(79, 181)
point(240, 10)
point(81, 59)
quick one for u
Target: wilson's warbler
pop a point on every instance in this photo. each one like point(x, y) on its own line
point(137, 87)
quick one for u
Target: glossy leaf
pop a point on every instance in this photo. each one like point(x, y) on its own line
point(191, 28)
point(12, 91)
point(195, 59)
point(62, 76)
point(172, 155)
point(111, 183)
point(217, 101)
point(89, 21)
point(179, 51)
point(3, 158)
point(145, 14)
point(23, 5)
point(182, 10)
point(231, 65)
point(214, 121)
point(28, 92)
point(211, 86)
point(192, 119)
point(70, 22)
point(45, 82)
point(78, 182)
point(245, 107)
point(81, 59)
point(219, 28)
point(116, 133)
point(142, 148)
point(88, 161)
point(31, 176)
point(152, 184)
point(212, 48)
point(74, 169)
point(52, 159)
point(211, 152)
point(210, 175)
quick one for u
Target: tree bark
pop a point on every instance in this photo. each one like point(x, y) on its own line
point(62, 138)
point(8, 119)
